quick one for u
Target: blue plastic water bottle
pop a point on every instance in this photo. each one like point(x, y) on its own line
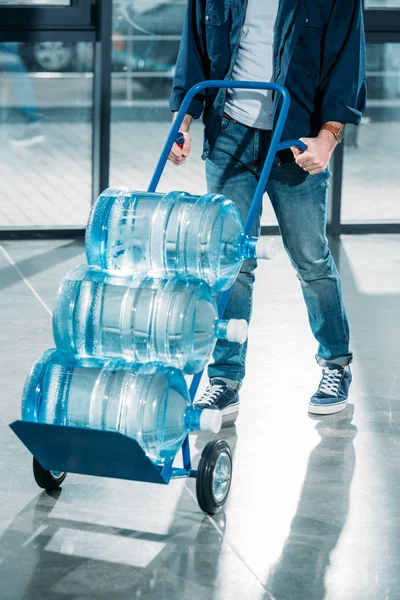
point(149, 403)
point(169, 234)
point(141, 319)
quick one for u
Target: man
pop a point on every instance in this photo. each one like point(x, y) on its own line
point(316, 49)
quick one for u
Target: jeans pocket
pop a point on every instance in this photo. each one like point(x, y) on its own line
point(226, 123)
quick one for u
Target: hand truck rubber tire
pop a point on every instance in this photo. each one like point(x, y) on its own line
point(48, 480)
point(214, 476)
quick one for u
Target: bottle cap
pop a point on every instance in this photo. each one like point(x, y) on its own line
point(211, 420)
point(237, 330)
point(266, 248)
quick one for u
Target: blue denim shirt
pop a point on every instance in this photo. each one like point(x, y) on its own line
point(319, 56)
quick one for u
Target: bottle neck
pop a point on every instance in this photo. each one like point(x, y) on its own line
point(240, 248)
point(221, 329)
point(203, 419)
point(192, 418)
point(249, 245)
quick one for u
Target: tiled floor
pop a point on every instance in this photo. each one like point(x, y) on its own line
point(313, 511)
point(49, 184)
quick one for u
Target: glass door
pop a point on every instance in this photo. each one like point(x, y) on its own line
point(371, 177)
point(45, 133)
point(46, 113)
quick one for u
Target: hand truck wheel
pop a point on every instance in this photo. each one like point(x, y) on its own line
point(48, 480)
point(214, 476)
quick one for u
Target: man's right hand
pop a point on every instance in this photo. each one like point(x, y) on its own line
point(179, 155)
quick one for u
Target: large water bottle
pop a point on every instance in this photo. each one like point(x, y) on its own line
point(173, 233)
point(149, 403)
point(140, 319)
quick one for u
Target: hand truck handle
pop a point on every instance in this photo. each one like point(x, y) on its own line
point(180, 139)
point(276, 143)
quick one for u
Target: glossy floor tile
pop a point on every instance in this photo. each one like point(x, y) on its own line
point(314, 508)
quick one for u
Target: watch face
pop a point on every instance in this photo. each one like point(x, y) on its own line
point(340, 136)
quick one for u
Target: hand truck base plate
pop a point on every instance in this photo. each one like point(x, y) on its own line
point(88, 452)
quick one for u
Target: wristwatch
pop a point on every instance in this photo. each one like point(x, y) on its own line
point(337, 131)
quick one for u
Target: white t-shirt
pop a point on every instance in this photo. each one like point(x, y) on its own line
point(254, 62)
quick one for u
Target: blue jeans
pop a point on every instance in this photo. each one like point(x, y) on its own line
point(299, 201)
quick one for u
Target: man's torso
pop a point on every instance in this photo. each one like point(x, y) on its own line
point(254, 62)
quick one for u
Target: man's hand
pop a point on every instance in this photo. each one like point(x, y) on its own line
point(179, 155)
point(315, 159)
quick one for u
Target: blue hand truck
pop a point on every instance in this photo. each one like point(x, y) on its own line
point(58, 450)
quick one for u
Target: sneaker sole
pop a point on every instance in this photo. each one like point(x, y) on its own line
point(326, 409)
point(229, 415)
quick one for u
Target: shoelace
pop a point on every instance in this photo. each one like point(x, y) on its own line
point(330, 381)
point(211, 394)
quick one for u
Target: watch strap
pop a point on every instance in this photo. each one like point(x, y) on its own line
point(337, 131)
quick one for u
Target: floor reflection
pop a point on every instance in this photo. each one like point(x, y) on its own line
point(187, 564)
point(321, 514)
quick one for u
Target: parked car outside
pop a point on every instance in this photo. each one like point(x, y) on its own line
point(145, 41)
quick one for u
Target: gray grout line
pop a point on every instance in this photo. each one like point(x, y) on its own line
point(25, 280)
point(231, 546)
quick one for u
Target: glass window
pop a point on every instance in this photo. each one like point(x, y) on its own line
point(146, 38)
point(45, 131)
point(381, 4)
point(35, 2)
point(371, 170)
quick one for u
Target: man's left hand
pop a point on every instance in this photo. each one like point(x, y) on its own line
point(316, 158)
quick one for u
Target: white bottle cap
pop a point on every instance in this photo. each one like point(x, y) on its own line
point(266, 247)
point(211, 420)
point(237, 330)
